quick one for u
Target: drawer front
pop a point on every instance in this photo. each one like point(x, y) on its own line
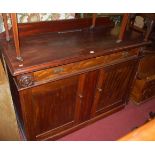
point(35, 78)
point(82, 65)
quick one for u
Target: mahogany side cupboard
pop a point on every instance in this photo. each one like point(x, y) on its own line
point(70, 75)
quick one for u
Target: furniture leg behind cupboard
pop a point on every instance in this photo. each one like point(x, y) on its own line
point(68, 80)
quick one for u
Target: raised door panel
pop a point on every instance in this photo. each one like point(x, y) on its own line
point(50, 108)
point(113, 86)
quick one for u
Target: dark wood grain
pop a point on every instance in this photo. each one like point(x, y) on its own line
point(36, 28)
point(79, 126)
point(94, 82)
point(44, 76)
point(55, 49)
point(66, 103)
point(48, 74)
point(113, 85)
point(52, 106)
point(30, 29)
point(88, 93)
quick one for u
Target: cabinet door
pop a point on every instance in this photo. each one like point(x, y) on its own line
point(50, 108)
point(113, 86)
point(86, 94)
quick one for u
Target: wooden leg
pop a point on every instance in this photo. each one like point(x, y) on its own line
point(123, 27)
point(150, 24)
point(132, 18)
point(4, 15)
point(93, 20)
point(16, 36)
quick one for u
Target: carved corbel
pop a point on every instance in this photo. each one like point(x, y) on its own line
point(25, 81)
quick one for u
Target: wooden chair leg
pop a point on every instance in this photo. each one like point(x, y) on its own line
point(5, 19)
point(16, 36)
point(150, 24)
point(93, 20)
point(123, 27)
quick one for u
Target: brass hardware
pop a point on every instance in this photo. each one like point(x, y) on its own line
point(80, 96)
point(118, 41)
point(91, 52)
point(19, 58)
point(20, 65)
point(58, 70)
point(125, 54)
point(99, 89)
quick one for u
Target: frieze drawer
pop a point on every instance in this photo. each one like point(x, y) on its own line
point(82, 65)
point(53, 73)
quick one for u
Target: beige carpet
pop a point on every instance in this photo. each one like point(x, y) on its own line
point(8, 124)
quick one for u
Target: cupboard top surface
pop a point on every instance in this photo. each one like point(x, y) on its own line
point(54, 49)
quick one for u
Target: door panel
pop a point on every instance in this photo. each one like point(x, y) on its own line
point(113, 86)
point(88, 81)
point(54, 105)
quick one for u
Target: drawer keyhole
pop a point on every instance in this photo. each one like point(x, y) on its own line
point(81, 96)
point(99, 89)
